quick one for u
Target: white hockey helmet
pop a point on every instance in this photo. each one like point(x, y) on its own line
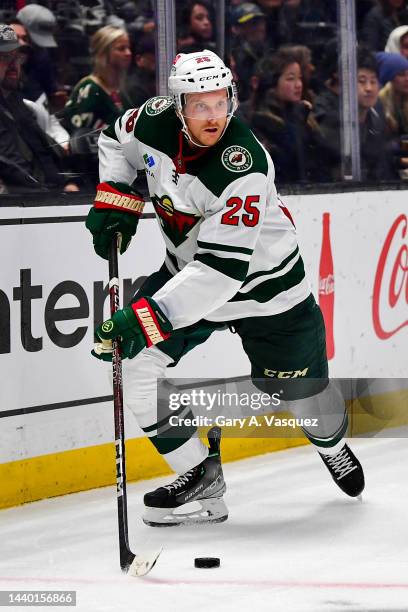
point(200, 72)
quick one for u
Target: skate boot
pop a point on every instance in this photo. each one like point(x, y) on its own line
point(204, 484)
point(346, 471)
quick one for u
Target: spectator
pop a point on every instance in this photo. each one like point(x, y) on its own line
point(398, 41)
point(303, 57)
point(40, 22)
point(195, 28)
point(326, 108)
point(248, 24)
point(272, 10)
point(381, 21)
point(376, 158)
point(140, 83)
point(97, 99)
point(282, 121)
point(375, 149)
point(28, 159)
point(393, 74)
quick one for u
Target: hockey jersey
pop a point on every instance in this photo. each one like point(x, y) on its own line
point(231, 246)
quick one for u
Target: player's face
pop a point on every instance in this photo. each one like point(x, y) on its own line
point(290, 84)
point(120, 54)
point(368, 88)
point(206, 115)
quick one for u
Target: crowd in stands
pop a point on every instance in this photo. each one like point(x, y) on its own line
point(69, 68)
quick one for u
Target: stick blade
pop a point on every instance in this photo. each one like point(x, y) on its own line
point(142, 564)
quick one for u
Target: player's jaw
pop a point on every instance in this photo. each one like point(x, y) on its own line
point(206, 132)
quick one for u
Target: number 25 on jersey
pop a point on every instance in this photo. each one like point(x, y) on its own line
point(249, 218)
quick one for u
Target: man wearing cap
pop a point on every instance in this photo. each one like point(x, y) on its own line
point(39, 22)
point(27, 159)
point(250, 42)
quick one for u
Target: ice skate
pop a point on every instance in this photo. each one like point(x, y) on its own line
point(167, 506)
point(346, 471)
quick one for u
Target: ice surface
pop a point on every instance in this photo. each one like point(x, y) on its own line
point(293, 542)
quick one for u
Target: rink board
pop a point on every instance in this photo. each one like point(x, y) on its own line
point(56, 423)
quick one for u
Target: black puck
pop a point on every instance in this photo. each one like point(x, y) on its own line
point(207, 562)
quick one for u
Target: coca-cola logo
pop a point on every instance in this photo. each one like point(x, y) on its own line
point(390, 294)
point(326, 285)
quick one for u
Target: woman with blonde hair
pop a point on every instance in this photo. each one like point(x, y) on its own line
point(393, 76)
point(97, 100)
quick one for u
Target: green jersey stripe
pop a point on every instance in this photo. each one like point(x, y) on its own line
point(164, 421)
point(266, 291)
point(234, 268)
point(110, 131)
point(173, 259)
point(215, 246)
point(284, 263)
point(170, 443)
point(332, 440)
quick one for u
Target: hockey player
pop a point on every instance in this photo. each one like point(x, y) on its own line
point(232, 257)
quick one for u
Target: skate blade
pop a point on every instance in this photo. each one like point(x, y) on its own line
point(212, 511)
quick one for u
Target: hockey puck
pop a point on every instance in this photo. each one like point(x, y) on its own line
point(207, 562)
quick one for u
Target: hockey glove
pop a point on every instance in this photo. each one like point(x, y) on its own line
point(139, 325)
point(116, 210)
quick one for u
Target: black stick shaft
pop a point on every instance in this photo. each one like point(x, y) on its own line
point(126, 556)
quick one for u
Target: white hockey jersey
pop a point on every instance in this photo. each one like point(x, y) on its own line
point(231, 246)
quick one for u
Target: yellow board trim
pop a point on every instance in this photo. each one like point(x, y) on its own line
point(87, 468)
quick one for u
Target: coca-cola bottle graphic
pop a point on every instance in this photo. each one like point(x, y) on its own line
point(326, 285)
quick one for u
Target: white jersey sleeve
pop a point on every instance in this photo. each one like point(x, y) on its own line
point(119, 155)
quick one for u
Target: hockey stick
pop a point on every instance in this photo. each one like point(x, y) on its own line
point(136, 565)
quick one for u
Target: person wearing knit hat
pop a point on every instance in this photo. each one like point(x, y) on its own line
point(398, 41)
point(389, 65)
point(97, 100)
point(393, 74)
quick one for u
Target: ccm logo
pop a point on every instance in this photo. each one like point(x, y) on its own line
point(208, 78)
point(290, 374)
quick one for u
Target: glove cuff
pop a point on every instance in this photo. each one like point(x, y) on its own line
point(108, 196)
point(155, 325)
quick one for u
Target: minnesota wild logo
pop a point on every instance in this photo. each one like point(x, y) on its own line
point(236, 158)
point(157, 105)
point(175, 224)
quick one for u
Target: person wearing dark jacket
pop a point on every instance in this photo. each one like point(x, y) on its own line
point(249, 43)
point(28, 158)
point(281, 119)
point(140, 83)
point(375, 146)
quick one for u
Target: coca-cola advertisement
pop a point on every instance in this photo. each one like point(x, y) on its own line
point(355, 248)
point(326, 285)
point(390, 293)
